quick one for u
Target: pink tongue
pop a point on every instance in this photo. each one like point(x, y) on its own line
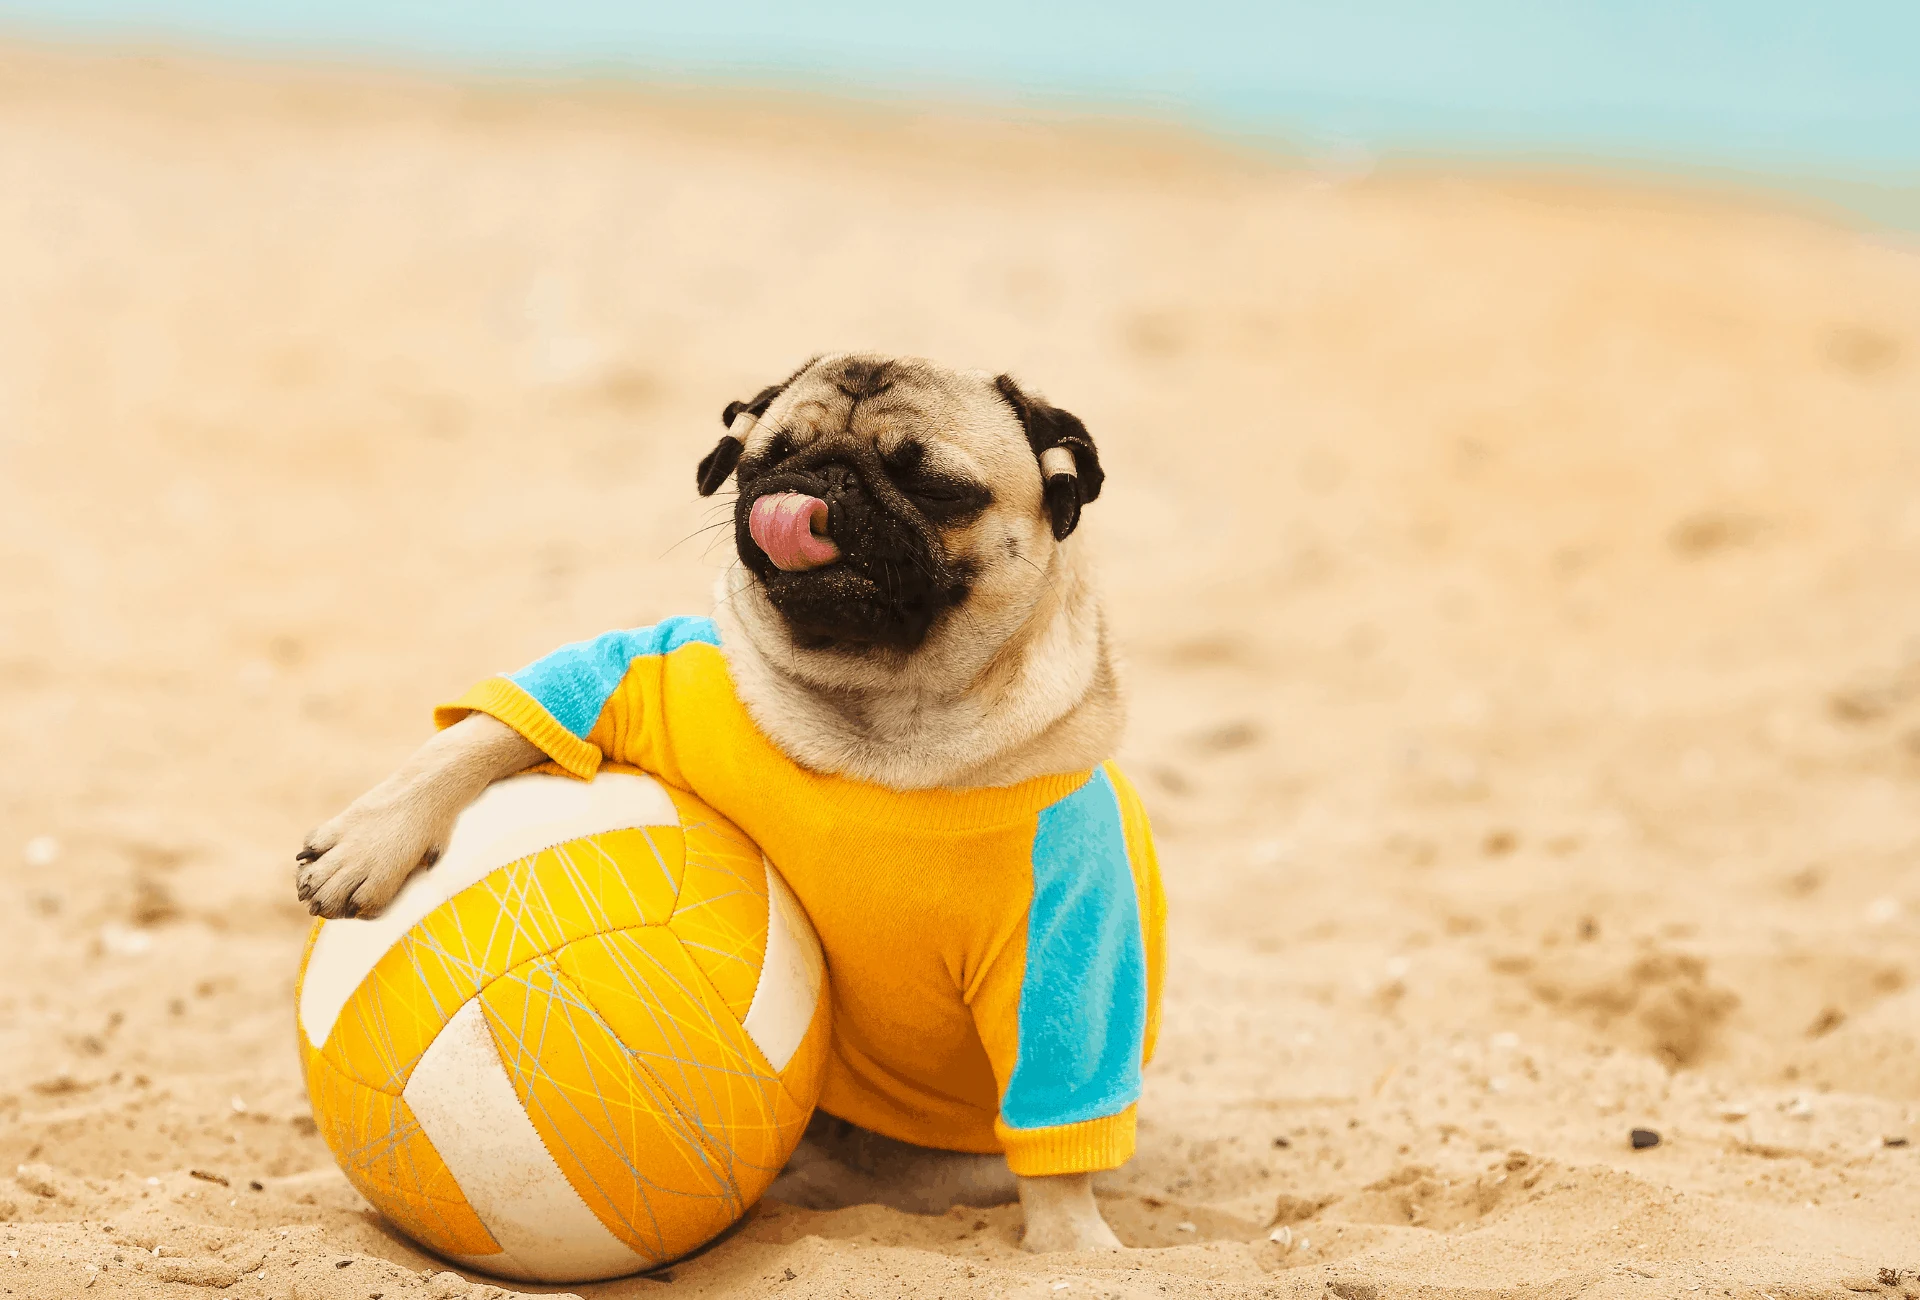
point(782, 525)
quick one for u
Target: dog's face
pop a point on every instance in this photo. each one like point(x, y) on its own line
point(885, 501)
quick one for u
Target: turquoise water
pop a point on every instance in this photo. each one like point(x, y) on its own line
point(1806, 90)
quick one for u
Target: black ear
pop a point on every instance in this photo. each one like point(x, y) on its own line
point(719, 464)
point(757, 405)
point(1069, 465)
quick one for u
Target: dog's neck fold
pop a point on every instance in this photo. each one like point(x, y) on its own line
point(991, 708)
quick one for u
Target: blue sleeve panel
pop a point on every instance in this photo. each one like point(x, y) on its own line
point(575, 681)
point(1083, 998)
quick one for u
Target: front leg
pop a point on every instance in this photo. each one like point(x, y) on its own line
point(354, 864)
point(1061, 1214)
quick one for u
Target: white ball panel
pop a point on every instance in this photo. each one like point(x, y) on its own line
point(510, 820)
point(791, 977)
point(468, 1109)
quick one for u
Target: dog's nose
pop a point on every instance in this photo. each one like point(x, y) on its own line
point(833, 476)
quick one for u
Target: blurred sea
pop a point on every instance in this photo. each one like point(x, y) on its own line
point(1822, 99)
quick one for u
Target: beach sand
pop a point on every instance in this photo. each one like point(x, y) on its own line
point(1516, 575)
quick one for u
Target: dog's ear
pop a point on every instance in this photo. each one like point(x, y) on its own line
point(717, 466)
point(1069, 465)
point(757, 405)
point(739, 417)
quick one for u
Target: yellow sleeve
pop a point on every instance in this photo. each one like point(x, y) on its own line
point(1145, 861)
point(590, 702)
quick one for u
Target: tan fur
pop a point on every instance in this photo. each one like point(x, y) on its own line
point(355, 863)
point(1019, 681)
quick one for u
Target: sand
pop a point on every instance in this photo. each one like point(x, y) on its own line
point(1516, 575)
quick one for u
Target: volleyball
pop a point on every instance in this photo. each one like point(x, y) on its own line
point(581, 1044)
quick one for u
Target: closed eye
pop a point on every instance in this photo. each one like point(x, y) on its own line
point(945, 500)
point(939, 495)
point(933, 491)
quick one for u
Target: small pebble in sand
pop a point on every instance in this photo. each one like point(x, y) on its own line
point(1642, 1138)
point(239, 1105)
point(1189, 1227)
point(1281, 1237)
point(1893, 1141)
point(41, 851)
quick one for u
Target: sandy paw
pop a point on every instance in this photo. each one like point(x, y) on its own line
point(355, 864)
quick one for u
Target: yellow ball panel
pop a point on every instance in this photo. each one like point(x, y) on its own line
point(389, 1161)
point(722, 915)
point(621, 1135)
point(527, 908)
point(655, 1000)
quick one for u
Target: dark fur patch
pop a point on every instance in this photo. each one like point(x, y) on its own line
point(894, 579)
point(1063, 504)
point(1049, 426)
point(718, 465)
point(860, 379)
point(720, 462)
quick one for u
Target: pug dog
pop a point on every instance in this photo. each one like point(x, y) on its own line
point(907, 607)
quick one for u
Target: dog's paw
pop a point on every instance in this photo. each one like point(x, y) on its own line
point(1061, 1214)
point(355, 864)
point(1049, 1235)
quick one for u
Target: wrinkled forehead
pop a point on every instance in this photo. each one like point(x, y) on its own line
point(957, 417)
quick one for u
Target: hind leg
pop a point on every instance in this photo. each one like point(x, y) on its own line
point(840, 1164)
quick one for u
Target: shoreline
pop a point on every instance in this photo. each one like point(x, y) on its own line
point(1877, 198)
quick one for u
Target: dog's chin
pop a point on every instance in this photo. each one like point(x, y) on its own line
point(839, 609)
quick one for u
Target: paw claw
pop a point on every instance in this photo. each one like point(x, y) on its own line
point(308, 855)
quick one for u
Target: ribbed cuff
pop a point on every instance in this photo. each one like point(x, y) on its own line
point(1083, 1148)
point(500, 698)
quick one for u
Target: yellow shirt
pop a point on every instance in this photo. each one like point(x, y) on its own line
point(995, 955)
